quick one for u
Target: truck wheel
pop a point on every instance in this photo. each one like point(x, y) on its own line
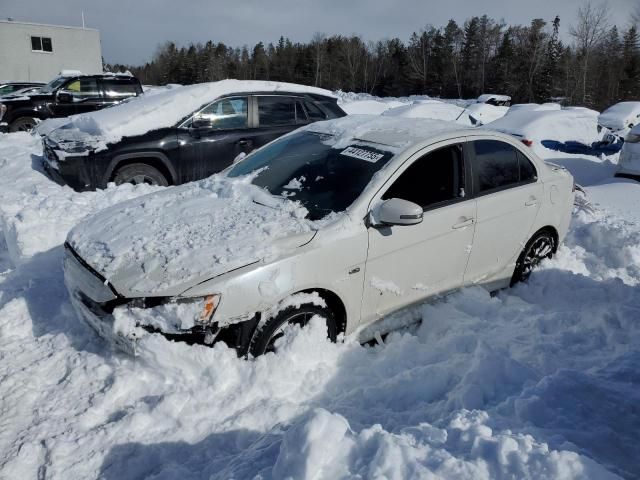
point(23, 124)
point(265, 338)
point(138, 173)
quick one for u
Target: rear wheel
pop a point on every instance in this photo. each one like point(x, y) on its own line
point(23, 124)
point(138, 173)
point(542, 245)
point(264, 340)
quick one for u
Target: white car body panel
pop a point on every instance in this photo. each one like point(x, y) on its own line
point(375, 270)
point(629, 160)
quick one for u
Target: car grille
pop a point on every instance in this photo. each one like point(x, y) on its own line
point(49, 153)
point(82, 279)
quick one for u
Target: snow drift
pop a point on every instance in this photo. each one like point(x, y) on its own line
point(539, 381)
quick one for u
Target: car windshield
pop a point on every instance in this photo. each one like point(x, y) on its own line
point(308, 168)
point(53, 84)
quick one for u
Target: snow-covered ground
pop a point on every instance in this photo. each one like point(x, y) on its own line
point(539, 381)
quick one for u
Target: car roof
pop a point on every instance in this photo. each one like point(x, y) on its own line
point(399, 133)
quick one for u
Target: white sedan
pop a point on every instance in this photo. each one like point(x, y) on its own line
point(349, 220)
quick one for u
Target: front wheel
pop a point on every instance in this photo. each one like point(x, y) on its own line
point(138, 173)
point(542, 245)
point(265, 339)
point(23, 124)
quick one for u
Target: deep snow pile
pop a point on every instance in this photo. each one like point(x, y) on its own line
point(540, 381)
point(35, 213)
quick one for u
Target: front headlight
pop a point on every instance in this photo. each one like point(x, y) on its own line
point(632, 138)
point(175, 314)
point(3, 109)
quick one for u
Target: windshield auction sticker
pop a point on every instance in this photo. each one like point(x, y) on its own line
point(362, 154)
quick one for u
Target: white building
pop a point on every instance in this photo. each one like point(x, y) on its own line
point(34, 52)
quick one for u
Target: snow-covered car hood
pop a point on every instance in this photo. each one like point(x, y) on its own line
point(166, 242)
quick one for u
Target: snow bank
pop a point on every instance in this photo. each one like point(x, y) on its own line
point(368, 107)
point(35, 213)
point(431, 109)
point(165, 109)
point(538, 381)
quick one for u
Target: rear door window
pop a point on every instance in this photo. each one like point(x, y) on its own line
point(495, 166)
point(527, 170)
point(116, 89)
point(314, 112)
point(274, 111)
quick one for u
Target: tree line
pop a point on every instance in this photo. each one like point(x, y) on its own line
point(599, 66)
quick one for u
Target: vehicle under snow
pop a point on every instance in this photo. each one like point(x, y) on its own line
point(620, 117)
point(569, 130)
point(629, 161)
point(181, 134)
point(496, 100)
point(347, 220)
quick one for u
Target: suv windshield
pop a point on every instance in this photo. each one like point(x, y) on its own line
point(53, 84)
point(308, 168)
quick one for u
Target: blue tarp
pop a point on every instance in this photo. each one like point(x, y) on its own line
point(595, 149)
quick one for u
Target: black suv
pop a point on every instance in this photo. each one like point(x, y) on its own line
point(199, 145)
point(64, 96)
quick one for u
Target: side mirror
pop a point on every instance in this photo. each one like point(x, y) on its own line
point(64, 97)
point(396, 211)
point(201, 122)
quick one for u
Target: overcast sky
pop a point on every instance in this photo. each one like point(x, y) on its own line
point(132, 29)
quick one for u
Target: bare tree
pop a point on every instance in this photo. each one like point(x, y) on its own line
point(589, 31)
point(419, 52)
point(317, 42)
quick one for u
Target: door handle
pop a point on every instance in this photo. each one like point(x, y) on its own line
point(531, 202)
point(244, 143)
point(464, 222)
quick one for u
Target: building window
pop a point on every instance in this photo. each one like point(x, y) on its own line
point(41, 44)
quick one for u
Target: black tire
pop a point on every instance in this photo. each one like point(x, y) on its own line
point(542, 245)
point(138, 173)
point(264, 339)
point(23, 124)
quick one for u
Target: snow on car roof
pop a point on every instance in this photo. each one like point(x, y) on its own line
point(396, 132)
point(165, 109)
point(617, 115)
point(560, 125)
point(488, 96)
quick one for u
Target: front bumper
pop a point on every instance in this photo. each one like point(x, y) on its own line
point(78, 172)
point(94, 302)
point(102, 323)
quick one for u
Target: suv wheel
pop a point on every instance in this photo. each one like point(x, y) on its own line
point(542, 245)
point(138, 173)
point(23, 124)
point(265, 338)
